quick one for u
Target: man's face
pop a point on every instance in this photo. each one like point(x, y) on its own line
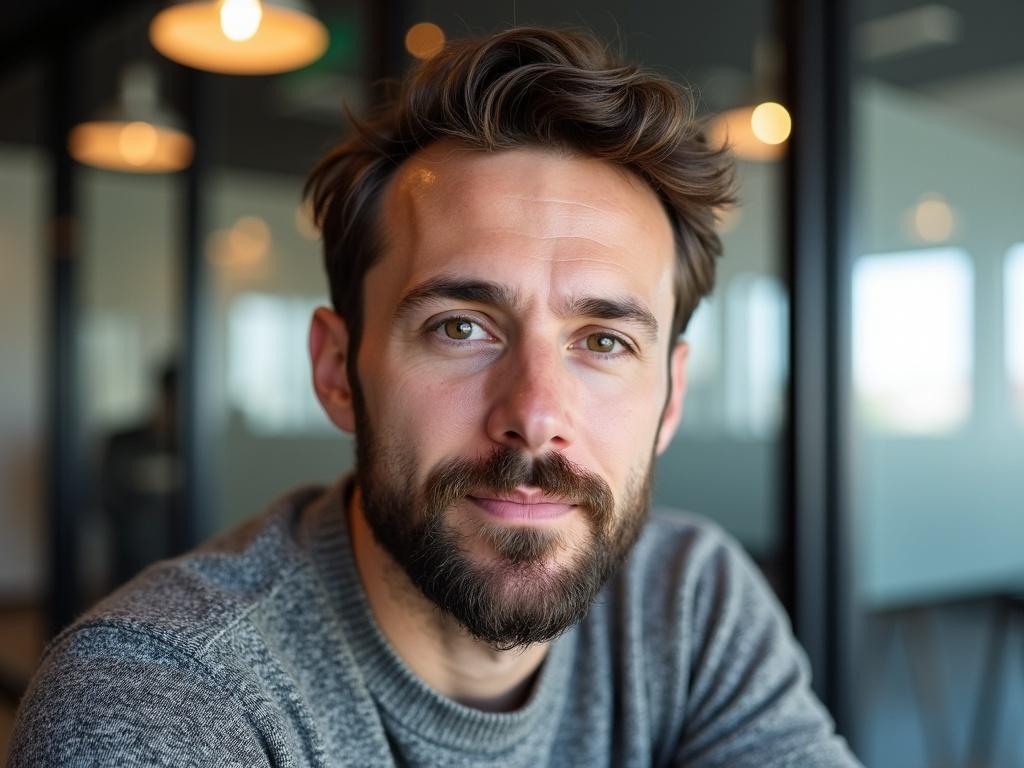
point(513, 381)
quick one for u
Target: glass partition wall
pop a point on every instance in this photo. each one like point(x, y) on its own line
point(937, 344)
point(129, 294)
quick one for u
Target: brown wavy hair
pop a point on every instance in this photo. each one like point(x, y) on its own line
point(520, 88)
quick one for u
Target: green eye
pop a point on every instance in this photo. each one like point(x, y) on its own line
point(601, 342)
point(458, 328)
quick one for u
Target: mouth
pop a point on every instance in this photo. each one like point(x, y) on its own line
point(522, 506)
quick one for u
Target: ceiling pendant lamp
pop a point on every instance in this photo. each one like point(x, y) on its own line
point(137, 134)
point(239, 37)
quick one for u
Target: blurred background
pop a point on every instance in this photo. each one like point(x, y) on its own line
point(856, 407)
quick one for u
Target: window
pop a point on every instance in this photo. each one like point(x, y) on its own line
point(912, 340)
point(269, 380)
point(1014, 312)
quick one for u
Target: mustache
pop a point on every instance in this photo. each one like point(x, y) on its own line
point(506, 468)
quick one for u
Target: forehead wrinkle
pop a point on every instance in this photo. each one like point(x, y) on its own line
point(572, 216)
point(520, 233)
point(482, 199)
point(470, 203)
point(558, 201)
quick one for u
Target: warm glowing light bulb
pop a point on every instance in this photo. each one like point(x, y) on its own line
point(771, 122)
point(249, 239)
point(933, 219)
point(239, 19)
point(137, 143)
point(423, 40)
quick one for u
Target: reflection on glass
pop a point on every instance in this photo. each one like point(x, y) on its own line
point(1014, 304)
point(912, 340)
point(932, 220)
point(268, 371)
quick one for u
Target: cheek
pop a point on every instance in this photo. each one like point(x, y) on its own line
point(433, 416)
point(619, 426)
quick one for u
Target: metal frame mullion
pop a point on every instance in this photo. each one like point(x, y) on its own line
point(818, 535)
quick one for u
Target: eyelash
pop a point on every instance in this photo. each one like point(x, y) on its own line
point(435, 327)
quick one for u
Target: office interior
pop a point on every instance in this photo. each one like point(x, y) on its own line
point(855, 413)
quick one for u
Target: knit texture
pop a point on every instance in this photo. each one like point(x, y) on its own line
point(260, 649)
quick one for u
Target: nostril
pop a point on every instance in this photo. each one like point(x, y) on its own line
point(513, 436)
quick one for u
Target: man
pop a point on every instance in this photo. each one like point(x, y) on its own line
point(513, 248)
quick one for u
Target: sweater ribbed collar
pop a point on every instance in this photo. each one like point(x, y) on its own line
point(399, 692)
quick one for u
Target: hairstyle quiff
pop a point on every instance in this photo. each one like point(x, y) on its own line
point(521, 88)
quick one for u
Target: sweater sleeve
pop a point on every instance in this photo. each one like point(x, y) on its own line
point(749, 701)
point(112, 696)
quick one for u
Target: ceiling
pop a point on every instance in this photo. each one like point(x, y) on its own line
point(283, 123)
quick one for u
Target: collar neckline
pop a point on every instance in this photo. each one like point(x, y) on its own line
point(399, 692)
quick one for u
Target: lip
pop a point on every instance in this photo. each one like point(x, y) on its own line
point(522, 506)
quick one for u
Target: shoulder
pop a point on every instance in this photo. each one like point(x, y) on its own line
point(106, 695)
point(682, 551)
point(722, 665)
point(686, 583)
point(190, 601)
point(673, 527)
point(144, 676)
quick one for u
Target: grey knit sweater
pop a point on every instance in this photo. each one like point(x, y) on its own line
point(259, 649)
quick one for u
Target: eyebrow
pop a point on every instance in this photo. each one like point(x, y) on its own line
point(625, 308)
point(507, 299)
point(457, 289)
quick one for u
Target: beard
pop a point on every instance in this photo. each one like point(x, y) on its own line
point(520, 596)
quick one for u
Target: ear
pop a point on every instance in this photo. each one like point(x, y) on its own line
point(673, 413)
point(328, 356)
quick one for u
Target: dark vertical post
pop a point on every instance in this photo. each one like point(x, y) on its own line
point(191, 520)
point(819, 87)
point(64, 465)
point(387, 57)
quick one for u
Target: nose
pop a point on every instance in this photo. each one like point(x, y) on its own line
point(532, 402)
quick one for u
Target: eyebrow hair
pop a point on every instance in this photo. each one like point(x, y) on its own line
point(503, 297)
point(625, 308)
point(459, 289)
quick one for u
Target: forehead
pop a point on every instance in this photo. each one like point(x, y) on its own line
point(534, 218)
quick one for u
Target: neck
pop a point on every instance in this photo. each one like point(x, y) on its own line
point(433, 645)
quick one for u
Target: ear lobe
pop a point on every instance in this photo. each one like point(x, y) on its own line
point(328, 356)
point(674, 408)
